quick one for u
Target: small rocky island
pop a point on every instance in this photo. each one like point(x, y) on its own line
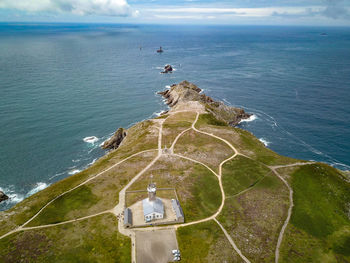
point(167, 69)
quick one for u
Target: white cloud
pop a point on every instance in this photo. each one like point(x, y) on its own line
point(239, 12)
point(76, 7)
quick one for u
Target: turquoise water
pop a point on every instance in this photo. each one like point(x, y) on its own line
point(62, 83)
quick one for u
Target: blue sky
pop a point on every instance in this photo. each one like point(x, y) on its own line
point(234, 12)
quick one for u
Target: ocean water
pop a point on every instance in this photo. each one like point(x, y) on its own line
point(63, 83)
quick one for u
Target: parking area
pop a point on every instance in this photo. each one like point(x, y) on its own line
point(155, 246)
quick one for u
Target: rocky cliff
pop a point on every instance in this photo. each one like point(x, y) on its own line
point(186, 92)
point(115, 140)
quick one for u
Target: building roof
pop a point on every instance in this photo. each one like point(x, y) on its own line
point(177, 208)
point(127, 216)
point(155, 206)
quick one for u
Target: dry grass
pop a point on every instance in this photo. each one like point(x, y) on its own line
point(175, 124)
point(203, 148)
point(96, 196)
point(245, 142)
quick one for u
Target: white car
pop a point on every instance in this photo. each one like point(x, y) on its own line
point(175, 251)
point(177, 259)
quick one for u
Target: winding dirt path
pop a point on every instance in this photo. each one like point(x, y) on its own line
point(291, 204)
point(22, 227)
point(119, 208)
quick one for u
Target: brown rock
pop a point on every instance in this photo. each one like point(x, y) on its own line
point(186, 91)
point(3, 197)
point(115, 140)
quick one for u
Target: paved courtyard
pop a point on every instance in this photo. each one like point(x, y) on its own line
point(137, 213)
point(155, 246)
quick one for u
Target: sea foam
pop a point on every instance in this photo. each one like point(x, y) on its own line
point(90, 139)
point(38, 187)
point(14, 197)
point(75, 171)
point(265, 142)
point(251, 118)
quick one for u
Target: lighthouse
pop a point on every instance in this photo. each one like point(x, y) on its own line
point(153, 207)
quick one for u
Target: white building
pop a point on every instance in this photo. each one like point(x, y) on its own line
point(153, 207)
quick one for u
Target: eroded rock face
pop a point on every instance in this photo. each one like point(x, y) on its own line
point(115, 140)
point(3, 197)
point(186, 91)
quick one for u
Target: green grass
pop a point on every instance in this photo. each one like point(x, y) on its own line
point(93, 240)
point(261, 153)
point(204, 242)
point(209, 119)
point(206, 195)
point(78, 199)
point(320, 215)
point(241, 173)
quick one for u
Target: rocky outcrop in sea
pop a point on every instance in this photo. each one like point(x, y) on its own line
point(186, 91)
point(3, 197)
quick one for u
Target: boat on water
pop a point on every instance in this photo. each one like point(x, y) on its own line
point(160, 50)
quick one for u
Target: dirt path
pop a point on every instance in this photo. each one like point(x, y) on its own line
point(231, 241)
point(291, 204)
point(22, 227)
point(119, 208)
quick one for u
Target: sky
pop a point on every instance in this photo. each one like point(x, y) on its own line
point(226, 12)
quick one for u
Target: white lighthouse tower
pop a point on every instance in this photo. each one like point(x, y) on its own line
point(153, 207)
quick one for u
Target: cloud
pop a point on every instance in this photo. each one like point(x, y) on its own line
point(336, 9)
point(76, 7)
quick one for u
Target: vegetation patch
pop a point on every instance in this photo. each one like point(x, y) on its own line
point(93, 240)
point(203, 148)
point(209, 119)
point(205, 242)
point(99, 194)
point(174, 125)
point(320, 216)
point(241, 173)
point(242, 140)
point(142, 136)
point(197, 188)
point(254, 218)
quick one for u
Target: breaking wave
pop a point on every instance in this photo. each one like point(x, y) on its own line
point(75, 171)
point(91, 139)
point(38, 187)
point(251, 118)
point(265, 142)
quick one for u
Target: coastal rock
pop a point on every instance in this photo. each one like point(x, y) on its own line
point(115, 140)
point(3, 197)
point(186, 91)
point(168, 69)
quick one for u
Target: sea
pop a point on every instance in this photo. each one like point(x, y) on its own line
point(65, 89)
